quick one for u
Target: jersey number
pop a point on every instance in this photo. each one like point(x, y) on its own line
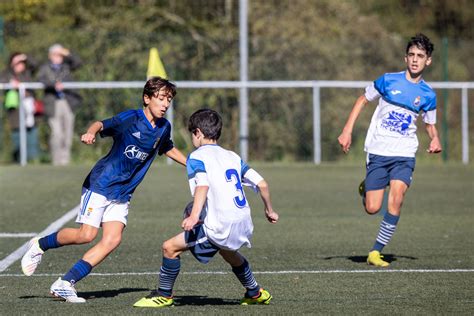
point(233, 175)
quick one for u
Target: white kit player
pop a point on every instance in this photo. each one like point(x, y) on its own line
point(219, 221)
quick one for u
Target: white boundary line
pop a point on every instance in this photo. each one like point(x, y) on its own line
point(266, 272)
point(17, 254)
point(17, 235)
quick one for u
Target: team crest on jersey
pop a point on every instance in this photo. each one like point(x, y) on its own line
point(134, 152)
point(417, 101)
point(89, 211)
point(397, 122)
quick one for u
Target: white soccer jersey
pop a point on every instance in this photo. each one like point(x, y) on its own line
point(228, 223)
point(392, 130)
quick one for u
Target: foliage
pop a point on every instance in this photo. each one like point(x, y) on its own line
point(199, 40)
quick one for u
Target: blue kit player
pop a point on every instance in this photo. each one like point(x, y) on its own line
point(219, 220)
point(391, 141)
point(139, 135)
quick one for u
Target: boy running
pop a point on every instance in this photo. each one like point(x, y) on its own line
point(139, 135)
point(391, 141)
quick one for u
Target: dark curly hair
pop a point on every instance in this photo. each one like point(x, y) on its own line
point(422, 42)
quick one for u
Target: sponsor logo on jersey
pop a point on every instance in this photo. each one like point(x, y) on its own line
point(417, 101)
point(395, 92)
point(397, 122)
point(134, 152)
point(136, 134)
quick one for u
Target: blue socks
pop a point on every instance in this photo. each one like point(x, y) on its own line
point(78, 271)
point(49, 242)
point(245, 276)
point(386, 231)
point(168, 273)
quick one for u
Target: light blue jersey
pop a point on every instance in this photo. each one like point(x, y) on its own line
point(136, 144)
point(392, 130)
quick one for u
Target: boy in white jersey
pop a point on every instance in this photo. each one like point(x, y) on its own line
point(215, 179)
point(391, 141)
point(139, 135)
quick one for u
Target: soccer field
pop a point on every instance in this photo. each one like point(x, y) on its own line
point(312, 261)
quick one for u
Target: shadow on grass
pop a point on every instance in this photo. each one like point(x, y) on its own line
point(197, 300)
point(93, 294)
point(363, 259)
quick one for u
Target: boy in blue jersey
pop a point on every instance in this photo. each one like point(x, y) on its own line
point(215, 178)
point(139, 135)
point(391, 141)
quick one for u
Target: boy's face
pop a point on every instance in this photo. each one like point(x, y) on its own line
point(416, 60)
point(196, 137)
point(159, 103)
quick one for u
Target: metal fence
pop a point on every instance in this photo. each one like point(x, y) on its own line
point(243, 86)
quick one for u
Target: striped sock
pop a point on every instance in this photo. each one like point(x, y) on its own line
point(387, 228)
point(49, 242)
point(78, 271)
point(245, 276)
point(168, 273)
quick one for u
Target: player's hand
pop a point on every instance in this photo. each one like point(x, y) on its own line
point(189, 222)
point(271, 216)
point(345, 140)
point(88, 138)
point(435, 146)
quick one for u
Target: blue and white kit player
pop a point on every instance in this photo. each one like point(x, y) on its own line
point(139, 135)
point(391, 141)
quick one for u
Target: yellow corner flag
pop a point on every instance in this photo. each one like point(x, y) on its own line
point(155, 66)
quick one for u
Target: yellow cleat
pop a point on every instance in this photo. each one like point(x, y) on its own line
point(264, 297)
point(154, 300)
point(375, 259)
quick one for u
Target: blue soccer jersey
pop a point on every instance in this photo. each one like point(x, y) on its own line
point(392, 130)
point(136, 143)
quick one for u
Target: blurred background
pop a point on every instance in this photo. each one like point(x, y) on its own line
point(288, 40)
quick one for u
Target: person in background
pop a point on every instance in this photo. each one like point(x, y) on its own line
point(20, 69)
point(60, 104)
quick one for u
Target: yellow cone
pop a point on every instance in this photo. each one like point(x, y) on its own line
point(155, 66)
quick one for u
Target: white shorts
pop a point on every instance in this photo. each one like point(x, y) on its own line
point(95, 209)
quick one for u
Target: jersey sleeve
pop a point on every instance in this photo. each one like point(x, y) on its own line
point(197, 175)
point(167, 143)
point(429, 117)
point(115, 125)
point(250, 177)
point(376, 89)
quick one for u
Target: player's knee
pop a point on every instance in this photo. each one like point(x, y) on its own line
point(168, 250)
point(372, 208)
point(86, 237)
point(112, 241)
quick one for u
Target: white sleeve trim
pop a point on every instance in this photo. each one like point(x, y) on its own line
point(252, 178)
point(429, 117)
point(371, 93)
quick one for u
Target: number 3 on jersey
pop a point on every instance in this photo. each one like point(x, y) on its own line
point(233, 175)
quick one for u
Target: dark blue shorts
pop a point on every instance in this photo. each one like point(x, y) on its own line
point(201, 248)
point(381, 170)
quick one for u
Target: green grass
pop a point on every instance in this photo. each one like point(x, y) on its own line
point(322, 228)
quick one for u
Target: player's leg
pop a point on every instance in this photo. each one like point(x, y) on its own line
point(254, 293)
point(373, 187)
point(400, 179)
point(169, 271)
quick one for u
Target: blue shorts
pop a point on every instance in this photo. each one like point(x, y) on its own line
point(201, 248)
point(381, 170)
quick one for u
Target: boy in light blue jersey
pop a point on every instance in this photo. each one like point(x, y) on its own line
point(218, 220)
point(139, 135)
point(391, 141)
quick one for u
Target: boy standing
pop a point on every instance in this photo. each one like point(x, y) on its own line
point(139, 135)
point(215, 179)
point(391, 141)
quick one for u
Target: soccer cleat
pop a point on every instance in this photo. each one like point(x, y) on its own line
point(263, 297)
point(65, 290)
point(154, 300)
point(32, 258)
point(375, 259)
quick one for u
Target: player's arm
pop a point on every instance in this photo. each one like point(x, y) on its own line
point(264, 190)
point(176, 155)
point(435, 144)
point(200, 196)
point(345, 139)
point(89, 136)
